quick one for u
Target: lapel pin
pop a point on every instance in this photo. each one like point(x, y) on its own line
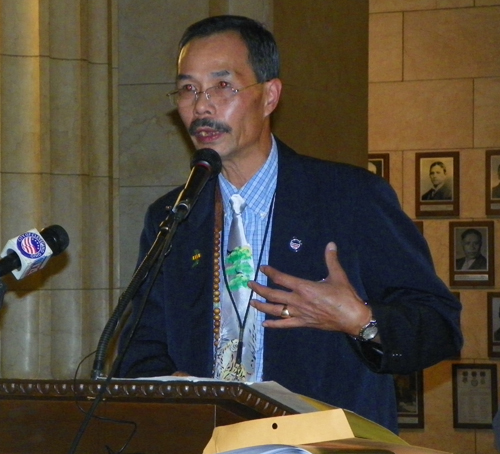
point(196, 258)
point(295, 244)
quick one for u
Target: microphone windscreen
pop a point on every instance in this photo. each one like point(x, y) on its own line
point(56, 237)
point(208, 157)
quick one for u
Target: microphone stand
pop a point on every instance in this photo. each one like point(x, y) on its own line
point(162, 244)
point(159, 249)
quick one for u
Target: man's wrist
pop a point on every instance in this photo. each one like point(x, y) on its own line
point(368, 330)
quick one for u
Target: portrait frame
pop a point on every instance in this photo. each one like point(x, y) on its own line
point(381, 163)
point(474, 395)
point(410, 400)
point(492, 181)
point(450, 205)
point(482, 272)
point(494, 324)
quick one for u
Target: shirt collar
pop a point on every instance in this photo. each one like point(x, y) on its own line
point(259, 190)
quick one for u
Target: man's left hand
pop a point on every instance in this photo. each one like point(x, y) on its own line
point(331, 304)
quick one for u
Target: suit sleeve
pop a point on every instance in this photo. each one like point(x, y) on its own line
point(417, 316)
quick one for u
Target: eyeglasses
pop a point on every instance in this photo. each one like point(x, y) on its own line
point(218, 94)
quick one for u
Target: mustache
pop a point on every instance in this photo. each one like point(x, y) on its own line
point(207, 122)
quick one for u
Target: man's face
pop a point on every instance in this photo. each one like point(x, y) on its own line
point(437, 175)
point(471, 245)
point(235, 127)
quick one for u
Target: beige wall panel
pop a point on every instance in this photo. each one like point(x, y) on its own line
point(68, 135)
point(20, 335)
point(95, 314)
point(385, 56)
point(134, 202)
point(69, 196)
point(115, 240)
point(324, 50)
point(309, 133)
point(98, 129)
point(420, 115)
point(20, 115)
point(45, 327)
point(22, 210)
point(67, 37)
point(154, 147)
point(472, 184)
point(98, 26)
point(149, 34)
point(20, 32)
point(378, 6)
point(487, 112)
point(474, 314)
point(99, 241)
point(450, 44)
point(485, 442)
point(487, 2)
point(408, 196)
point(436, 234)
point(66, 332)
point(260, 10)
point(397, 176)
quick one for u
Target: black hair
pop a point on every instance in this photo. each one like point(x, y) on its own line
point(263, 53)
point(440, 164)
point(471, 231)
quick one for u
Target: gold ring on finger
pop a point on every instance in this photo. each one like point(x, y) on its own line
point(285, 313)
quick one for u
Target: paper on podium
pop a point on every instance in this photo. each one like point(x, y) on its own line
point(323, 432)
point(298, 429)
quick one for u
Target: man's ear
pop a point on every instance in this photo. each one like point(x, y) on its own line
point(273, 93)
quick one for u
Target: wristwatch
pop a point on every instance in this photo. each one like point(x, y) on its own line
point(369, 331)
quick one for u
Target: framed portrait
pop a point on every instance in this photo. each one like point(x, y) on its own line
point(437, 178)
point(493, 325)
point(472, 254)
point(378, 163)
point(492, 182)
point(474, 395)
point(410, 400)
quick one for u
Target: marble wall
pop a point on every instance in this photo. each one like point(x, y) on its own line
point(434, 68)
point(57, 166)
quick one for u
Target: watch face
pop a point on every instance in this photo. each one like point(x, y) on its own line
point(370, 331)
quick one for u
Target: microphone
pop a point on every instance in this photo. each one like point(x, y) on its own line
point(27, 253)
point(205, 164)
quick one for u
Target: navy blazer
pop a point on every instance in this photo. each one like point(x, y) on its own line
point(385, 257)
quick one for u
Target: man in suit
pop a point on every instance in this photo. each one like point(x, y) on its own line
point(472, 242)
point(344, 292)
point(441, 185)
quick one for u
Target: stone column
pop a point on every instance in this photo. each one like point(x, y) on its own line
point(58, 163)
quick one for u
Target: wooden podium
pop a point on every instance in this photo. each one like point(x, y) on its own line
point(43, 416)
